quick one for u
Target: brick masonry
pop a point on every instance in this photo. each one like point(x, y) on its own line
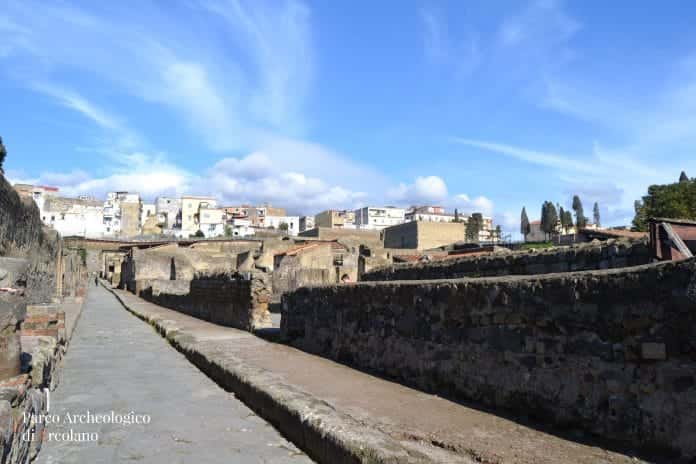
point(609, 351)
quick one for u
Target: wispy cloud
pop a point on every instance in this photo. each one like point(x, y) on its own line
point(461, 52)
point(76, 102)
point(541, 158)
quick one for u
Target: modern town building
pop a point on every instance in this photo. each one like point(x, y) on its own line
point(306, 223)
point(335, 219)
point(291, 222)
point(257, 214)
point(169, 211)
point(212, 221)
point(190, 213)
point(378, 218)
point(428, 213)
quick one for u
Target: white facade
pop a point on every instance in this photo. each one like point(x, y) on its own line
point(83, 221)
point(211, 221)
point(169, 211)
point(378, 218)
point(241, 227)
point(306, 223)
point(428, 214)
point(113, 220)
point(293, 223)
point(191, 207)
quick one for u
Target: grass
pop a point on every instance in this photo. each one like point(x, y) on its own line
point(537, 245)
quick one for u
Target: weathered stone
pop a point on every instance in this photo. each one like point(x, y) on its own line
point(581, 338)
point(655, 351)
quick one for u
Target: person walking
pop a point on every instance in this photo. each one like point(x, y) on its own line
point(96, 281)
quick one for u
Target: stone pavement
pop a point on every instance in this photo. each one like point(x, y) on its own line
point(346, 408)
point(118, 363)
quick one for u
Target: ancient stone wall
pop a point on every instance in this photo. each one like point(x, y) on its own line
point(171, 262)
point(20, 224)
point(610, 351)
point(604, 255)
point(232, 300)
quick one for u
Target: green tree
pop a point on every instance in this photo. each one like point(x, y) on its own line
point(549, 219)
point(498, 232)
point(473, 227)
point(580, 219)
point(3, 155)
point(677, 200)
point(228, 231)
point(525, 228)
point(562, 218)
point(199, 234)
point(283, 226)
point(568, 219)
point(456, 215)
point(595, 214)
point(682, 178)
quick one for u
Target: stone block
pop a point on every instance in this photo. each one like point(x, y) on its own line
point(653, 351)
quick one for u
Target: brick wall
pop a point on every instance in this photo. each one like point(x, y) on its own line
point(605, 255)
point(610, 351)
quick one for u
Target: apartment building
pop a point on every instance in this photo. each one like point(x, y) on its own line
point(378, 218)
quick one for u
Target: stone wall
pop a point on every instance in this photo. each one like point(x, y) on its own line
point(603, 255)
point(612, 352)
point(171, 262)
point(423, 235)
point(20, 224)
point(231, 300)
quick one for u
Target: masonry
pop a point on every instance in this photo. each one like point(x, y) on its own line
point(604, 255)
point(35, 267)
point(608, 351)
point(228, 299)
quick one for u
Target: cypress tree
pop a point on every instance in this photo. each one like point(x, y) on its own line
point(580, 219)
point(524, 223)
point(683, 177)
point(595, 214)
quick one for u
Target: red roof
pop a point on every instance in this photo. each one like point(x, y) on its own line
point(308, 246)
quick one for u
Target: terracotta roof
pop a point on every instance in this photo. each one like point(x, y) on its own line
point(308, 246)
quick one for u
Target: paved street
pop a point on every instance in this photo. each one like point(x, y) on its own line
point(116, 362)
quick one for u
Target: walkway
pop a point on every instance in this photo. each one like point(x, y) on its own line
point(118, 363)
point(361, 407)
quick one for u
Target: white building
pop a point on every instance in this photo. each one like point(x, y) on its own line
point(292, 222)
point(74, 216)
point(241, 227)
point(191, 207)
point(306, 223)
point(212, 221)
point(122, 212)
point(378, 218)
point(428, 214)
point(169, 211)
point(82, 216)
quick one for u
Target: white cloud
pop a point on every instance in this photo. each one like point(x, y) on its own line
point(479, 204)
point(228, 98)
point(424, 190)
point(76, 102)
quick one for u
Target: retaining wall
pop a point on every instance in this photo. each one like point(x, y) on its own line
point(605, 255)
point(612, 352)
point(225, 299)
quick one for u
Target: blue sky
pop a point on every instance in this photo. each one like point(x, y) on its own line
point(484, 106)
